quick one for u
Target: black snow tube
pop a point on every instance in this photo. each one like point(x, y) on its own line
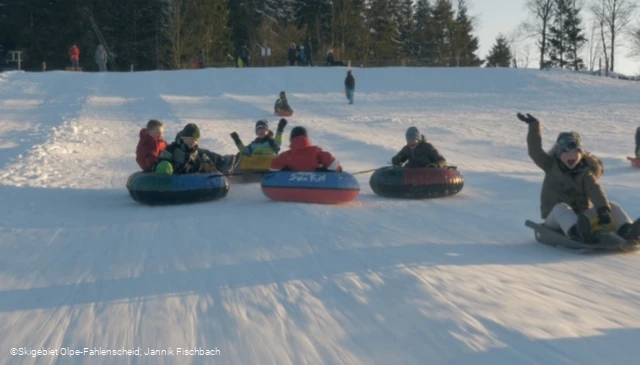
point(155, 189)
point(416, 183)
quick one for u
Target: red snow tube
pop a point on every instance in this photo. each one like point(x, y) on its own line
point(284, 113)
point(418, 183)
point(635, 162)
point(311, 187)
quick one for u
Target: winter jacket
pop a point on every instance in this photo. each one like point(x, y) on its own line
point(305, 157)
point(307, 47)
point(578, 187)
point(638, 142)
point(74, 53)
point(191, 161)
point(148, 150)
point(267, 146)
point(350, 82)
point(281, 104)
point(101, 55)
point(423, 155)
point(292, 55)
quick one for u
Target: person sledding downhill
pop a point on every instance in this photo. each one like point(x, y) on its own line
point(304, 157)
point(150, 145)
point(281, 106)
point(265, 144)
point(185, 156)
point(418, 153)
point(572, 199)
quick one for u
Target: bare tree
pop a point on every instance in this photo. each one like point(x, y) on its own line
point(635, 42)
point(542, 10)
point(615, 16)
point(520, 48)
point(594, 49)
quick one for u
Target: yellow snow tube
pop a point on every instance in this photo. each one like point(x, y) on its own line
point(255, 162)
point(597, 227)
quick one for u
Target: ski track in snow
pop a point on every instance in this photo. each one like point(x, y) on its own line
point(450, 281)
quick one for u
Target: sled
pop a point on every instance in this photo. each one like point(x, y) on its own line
point(635, 162)
point(607, 241)
point(284, 113)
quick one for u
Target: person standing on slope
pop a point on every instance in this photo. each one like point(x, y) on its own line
point(349, 86)
point(101, 58)
point(74, 56)
point(418, 153)
point(571, 195)
point(303, 156)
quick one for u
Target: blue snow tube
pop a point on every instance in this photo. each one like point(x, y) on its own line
point(154, 189)
point(311, 187)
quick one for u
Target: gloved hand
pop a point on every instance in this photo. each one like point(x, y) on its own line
point(281, 125)
point(236, 138)
point(603, 215)
point(432, 165)
point(395, 162)
point(528, 119)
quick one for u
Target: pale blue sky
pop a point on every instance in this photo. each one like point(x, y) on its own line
point(496, 16)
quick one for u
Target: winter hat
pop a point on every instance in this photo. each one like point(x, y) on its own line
point(262, 123)
point(412, 133)
point(164, 167)
point(297, 132)
point(191, 130)
point(568, 141)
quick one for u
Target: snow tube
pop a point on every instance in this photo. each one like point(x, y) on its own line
point(151, 188)
point(251, 169)
point(416, 183)
point(635, 162)
point(284, 113)
point(311, 187)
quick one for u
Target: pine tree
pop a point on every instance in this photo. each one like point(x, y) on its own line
point(500, 54)
point(423, 35)
point(565, 36)
point(575, 36)
point(406, 27)
point(385, 29)
point(465, 44)
point(443, 33)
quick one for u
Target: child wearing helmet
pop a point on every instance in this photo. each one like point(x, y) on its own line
point(571, 195)
point(265, 144)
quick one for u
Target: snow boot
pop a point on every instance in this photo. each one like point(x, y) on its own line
point(630, 231)
point(582, 231)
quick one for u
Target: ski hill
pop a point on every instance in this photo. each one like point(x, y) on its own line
point(458, 280)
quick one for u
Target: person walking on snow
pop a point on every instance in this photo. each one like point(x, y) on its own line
point(101, 58)
point(74, 56)
point(571, 195)
point(349, 86)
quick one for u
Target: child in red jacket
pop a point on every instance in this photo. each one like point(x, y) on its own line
point(150, 145)
point(303, 156)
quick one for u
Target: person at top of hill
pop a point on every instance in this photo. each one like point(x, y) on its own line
point(571, 195)
point(150, 145)
point(638, 142)
point(282, 104)
point(186, 157)
point(74, 56)
point(265, 144)
point(303, 156)
point(418, 153)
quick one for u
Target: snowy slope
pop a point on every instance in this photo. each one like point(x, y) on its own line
point(379, 281)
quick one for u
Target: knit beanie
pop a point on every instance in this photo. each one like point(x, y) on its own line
point(297, 132)
point(412, 133)
point(568, 141)
point(262, 123)
point(191, 130)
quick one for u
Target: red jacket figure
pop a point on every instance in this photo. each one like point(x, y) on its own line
point(150, 145)
point(303, 156)
point(74, 53)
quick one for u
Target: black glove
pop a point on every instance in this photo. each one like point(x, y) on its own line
point(236, 138)
point(528, 119)
point(395, 162)
point(281, 125)
point(603, 215)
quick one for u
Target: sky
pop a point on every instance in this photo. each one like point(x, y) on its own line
point(503, 16)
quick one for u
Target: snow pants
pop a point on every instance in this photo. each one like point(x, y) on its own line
point(350, 95)
point(563, 217)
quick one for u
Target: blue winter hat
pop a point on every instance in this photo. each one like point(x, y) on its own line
point(262, 123)
point(412, 133)
point(568, 141)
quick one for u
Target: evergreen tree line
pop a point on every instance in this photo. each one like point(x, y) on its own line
point(169, 34)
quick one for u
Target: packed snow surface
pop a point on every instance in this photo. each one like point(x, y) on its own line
point(458, 280)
